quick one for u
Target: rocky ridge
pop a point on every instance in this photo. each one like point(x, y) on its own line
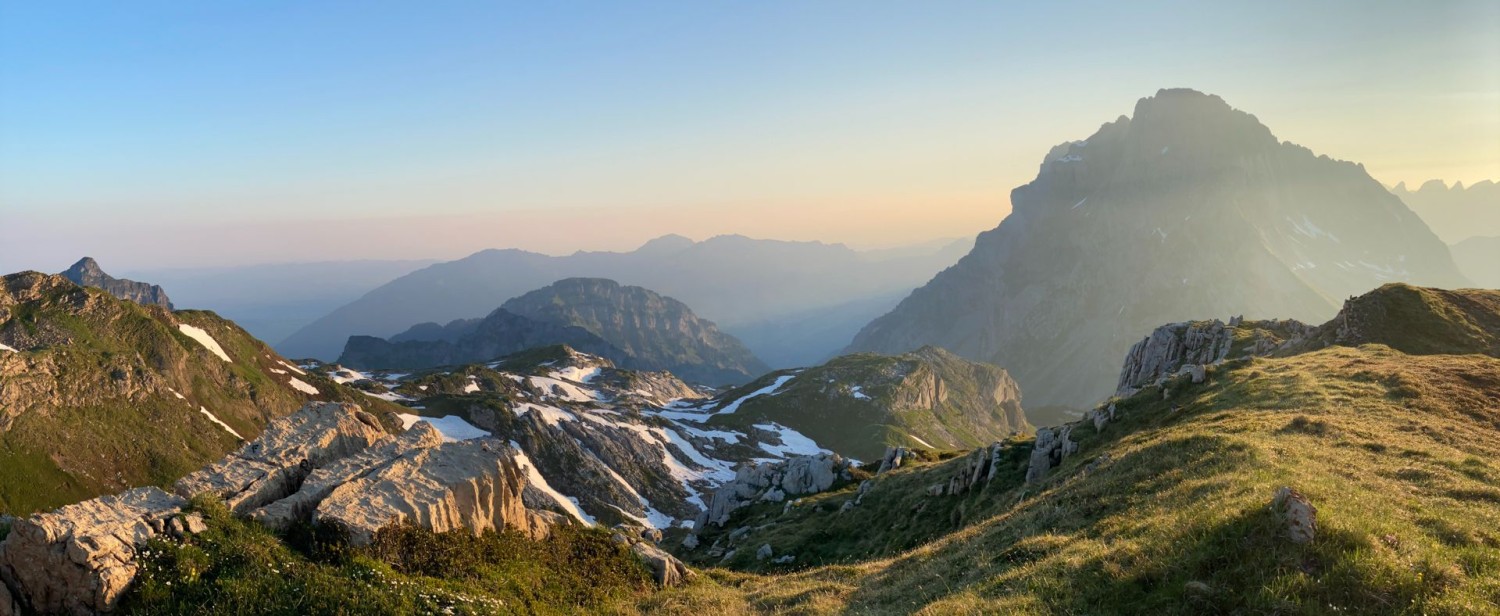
point(87, 273)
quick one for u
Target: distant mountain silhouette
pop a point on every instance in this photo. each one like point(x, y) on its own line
point(1185, 209)
point(792, 303)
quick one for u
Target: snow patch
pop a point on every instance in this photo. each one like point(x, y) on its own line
point(1080, 202)
point(215, 419)
point(534, 476)
point(858, 392)
point(577, 374)
point(550, 414)
point(3, 347)
point(300, 385)
point(292, 368)
point(769, 390)
point(452, 427)
point(919, 440)
point(208, 342)
point(792, 442)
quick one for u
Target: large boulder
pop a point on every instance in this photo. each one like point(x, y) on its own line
point(272, 466)
point(474, 485)
point(321, 482)
point(80, 559)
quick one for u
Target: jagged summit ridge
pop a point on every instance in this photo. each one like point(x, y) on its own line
point(86, 272)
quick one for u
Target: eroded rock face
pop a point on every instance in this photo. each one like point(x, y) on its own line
point(321, 482)
point(792, 477)
point(1052, 445)
point(1187, 348)
point(275, 464)
point(665, 568)
point(474, 485)
point(80, 559)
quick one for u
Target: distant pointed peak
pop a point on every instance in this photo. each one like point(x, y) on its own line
point(666, 244)
point(86, 264)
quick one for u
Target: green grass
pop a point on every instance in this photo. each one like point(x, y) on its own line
point(239, 567)
point(1399, 453)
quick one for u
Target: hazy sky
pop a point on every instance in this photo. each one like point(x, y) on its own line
point(206, 133)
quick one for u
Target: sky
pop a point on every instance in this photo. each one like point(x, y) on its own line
point(159, 134)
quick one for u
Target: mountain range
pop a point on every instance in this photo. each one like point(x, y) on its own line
point(1187, 207)
point(1456, 212)
point(633, 326)
point(791, 303)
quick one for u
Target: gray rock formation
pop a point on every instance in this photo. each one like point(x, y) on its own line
point(1187, 208)
point(473, 485)
point(87, 273)
point(80, 559)
point(892, 459)
point(321, 482)
point(666, 570)
point(797, 476)
point(1186, 348)
point(1051, 447)
point(275, 464)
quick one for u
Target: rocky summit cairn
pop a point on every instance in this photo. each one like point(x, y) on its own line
point(81, 558)
point(87, 273)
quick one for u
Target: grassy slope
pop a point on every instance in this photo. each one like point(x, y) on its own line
point(114, 423)
point(238, 567)
point(1401, 455)
point(819, 402)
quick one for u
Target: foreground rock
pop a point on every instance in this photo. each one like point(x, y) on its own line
point(474, 485)
point(321, 482)
point(1186, 348)
point(272, 466)
point(80, 559)
point(1297, 513)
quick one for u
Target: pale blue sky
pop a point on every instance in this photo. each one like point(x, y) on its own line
point(151, 133)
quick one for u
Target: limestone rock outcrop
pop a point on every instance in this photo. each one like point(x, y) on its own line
point(1052, 446)
point(796, 476)
point(321, 482)
point(275, 464)
point(474, 485)
point(1187, 348)
point(80, 559)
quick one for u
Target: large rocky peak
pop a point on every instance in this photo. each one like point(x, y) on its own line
point(86, 272)
point(657, 332)
point(1187, 208)
point(634, 327)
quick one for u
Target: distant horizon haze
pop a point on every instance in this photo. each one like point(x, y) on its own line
point(161, 134)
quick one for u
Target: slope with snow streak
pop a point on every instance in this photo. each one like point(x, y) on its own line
point(203, 338)
point(593, 444)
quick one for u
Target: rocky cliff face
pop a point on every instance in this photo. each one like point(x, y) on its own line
point(86, 272)
point(1189, 346)
point(631, 326)
point(1188, 207)
point(857, 404)
point(99, 394)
